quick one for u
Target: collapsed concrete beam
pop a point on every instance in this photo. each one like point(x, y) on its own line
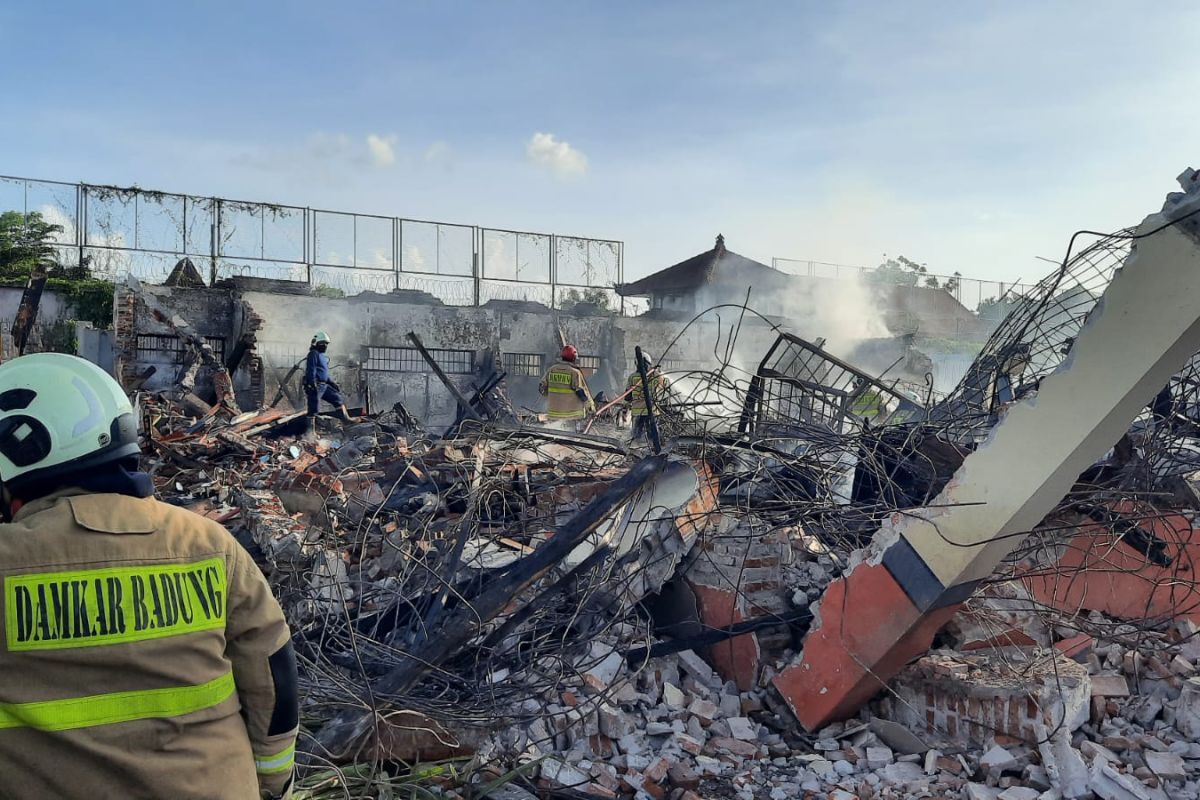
point(921, 565)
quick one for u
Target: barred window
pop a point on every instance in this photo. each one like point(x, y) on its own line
point(590, 363)
point(408, 359)
point(523, 364)
point(157, 347)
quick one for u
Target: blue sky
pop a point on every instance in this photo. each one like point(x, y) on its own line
point(970, 136)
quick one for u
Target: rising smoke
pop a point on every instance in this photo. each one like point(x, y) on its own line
point(845, 312)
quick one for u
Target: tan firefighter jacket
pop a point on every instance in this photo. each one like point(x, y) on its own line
point(560, 386)
point(636, 399)
point(135, 660)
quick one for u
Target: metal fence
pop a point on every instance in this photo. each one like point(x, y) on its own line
point(977, 295)
point(121, 231)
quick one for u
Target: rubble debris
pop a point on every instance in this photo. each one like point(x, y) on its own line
point(632, 627)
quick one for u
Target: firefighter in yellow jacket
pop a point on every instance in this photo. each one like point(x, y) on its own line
point(568, 399)
point(635, 397)
point(868, 404)
point(144, 655)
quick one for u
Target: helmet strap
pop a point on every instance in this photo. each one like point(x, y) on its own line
point(9, 505)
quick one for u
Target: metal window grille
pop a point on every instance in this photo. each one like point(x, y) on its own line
point(588, 362)
point(801, 383)
point(155, 346)
point(523, 364)
point(408, 359)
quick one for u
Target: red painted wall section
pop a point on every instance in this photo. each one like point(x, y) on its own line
point(1099, 573)
point(869, 631)
point(735, 659)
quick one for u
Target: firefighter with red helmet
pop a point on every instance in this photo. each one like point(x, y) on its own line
point(568, 399)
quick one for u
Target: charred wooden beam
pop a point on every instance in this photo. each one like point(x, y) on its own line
point(31, 298)
point(463, 403)
point(651, 421)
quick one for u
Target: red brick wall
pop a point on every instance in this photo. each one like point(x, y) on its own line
point(736, 573)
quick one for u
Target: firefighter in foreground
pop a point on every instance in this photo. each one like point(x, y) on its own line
point(569, 400)
point(318, 382)
point(144, 656)
point(635, 396)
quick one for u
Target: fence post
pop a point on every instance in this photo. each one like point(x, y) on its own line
point(214, 245)
point(310, 235)
point(183, 241)
point(553, 270)
point(396, 234)
point(621, 272)
point(80, 220)
point(476, 237)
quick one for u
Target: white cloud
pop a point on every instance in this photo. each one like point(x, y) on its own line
point(560, 158)
point(414, 259)
point(382, 149)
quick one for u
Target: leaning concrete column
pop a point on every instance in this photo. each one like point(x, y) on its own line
point(923, 564)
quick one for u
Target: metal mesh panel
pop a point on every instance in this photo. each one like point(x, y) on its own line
point(333, 239)
point(119, 231)
point(242, 230)
point(586, 262)
point(1037, 333)
point(516, 256)
point(436, 248)
point(374, 242)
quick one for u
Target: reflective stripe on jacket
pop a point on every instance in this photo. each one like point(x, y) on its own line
point(139, 634)
point(636, 399)
point(868, 404)
point(560, 386)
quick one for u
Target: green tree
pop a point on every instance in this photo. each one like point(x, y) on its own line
point(900, 271)
point(25, 240)
point(594, 296)
point(994, 308)
point(951, 285)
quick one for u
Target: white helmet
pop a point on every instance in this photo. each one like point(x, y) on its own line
point(58, 414)
point(320, 337)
